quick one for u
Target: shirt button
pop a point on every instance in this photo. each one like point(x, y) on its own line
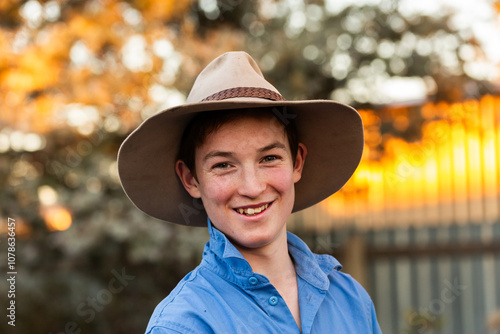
point(273, 300)
point(253, 280)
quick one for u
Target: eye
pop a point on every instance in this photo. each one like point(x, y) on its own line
point(270, 158)
point(222, 165)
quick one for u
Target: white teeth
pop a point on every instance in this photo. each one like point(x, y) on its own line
point(252, 211)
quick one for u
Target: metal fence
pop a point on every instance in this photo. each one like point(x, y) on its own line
point(436, 279)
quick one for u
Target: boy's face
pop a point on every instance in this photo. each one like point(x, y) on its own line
point(246, 180)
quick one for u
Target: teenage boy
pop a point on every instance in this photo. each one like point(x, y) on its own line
point(239, 159)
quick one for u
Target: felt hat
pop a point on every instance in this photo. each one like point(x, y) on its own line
point(331, 131)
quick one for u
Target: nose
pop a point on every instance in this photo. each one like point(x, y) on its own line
point(252, 184)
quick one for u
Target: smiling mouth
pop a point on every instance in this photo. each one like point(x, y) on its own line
point(252, 211)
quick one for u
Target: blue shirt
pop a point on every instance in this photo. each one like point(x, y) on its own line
point(224, 295)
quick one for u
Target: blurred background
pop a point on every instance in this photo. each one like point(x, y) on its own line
point(418, 224)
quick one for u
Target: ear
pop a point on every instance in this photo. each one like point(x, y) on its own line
point(187, 178)
point(300, 160)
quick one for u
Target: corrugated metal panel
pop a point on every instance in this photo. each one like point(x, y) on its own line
point(443, 293)
point(435, 279)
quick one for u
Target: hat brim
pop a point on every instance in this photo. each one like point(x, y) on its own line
point(331, 131)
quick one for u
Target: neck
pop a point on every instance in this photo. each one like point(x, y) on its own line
point(272, 260)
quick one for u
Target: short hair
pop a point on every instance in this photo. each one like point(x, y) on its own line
point(205, 123)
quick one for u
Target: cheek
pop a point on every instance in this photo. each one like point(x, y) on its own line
point(217, 190)
point(282, 180)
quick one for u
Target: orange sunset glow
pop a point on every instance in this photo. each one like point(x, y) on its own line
point(450, 175)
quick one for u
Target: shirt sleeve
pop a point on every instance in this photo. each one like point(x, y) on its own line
point(369, 307)
point(375, 326)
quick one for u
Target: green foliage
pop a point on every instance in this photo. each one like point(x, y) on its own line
point(60, 270)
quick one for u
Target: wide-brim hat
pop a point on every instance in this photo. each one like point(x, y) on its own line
point(331, 131)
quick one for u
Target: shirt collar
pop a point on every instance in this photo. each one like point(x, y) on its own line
point(220, 245)
point(312, 268)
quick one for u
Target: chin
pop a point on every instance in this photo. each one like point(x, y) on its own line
point(256, 241)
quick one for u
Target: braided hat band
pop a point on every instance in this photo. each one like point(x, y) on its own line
point(245, 92)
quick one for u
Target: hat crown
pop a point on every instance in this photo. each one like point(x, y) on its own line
point(230, 70)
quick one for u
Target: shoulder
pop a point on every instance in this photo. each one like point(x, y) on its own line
point(348, 298)
point(202, 302)
point(180, 311)
point(353, 296)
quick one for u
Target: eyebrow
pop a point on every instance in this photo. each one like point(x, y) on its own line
point(273, 145)
point(224, 154)
point(214, 154)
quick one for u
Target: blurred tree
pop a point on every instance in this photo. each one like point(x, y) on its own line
point(312, 49)
point(117, 56)
point(367, 56)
